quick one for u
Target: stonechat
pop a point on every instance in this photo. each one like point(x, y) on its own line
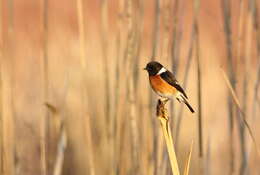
point(164, 83)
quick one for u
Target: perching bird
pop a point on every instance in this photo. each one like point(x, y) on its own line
point(165, 84)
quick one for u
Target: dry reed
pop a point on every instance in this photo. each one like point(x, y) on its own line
point(7, 119)
point(104, 45)
point(255, 14)
point(129, 133)
point(85, 118)
point(155, 44)
point(241, 56)
point(117, 88)
point(163, 117)
point(226, 13)
point(187, 166)
point(237, 103)
point(131, 56)
point(156, 29)
point(248, 31)
point(197, 46)
point(208, 158)
point(62, 141)
point(1, 95)
point(44, 120)
point(8, 145)
point(186, 73)
point(1, 113)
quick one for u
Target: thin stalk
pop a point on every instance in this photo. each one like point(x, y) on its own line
point(62, 142)
point(187, 166)
point(110, 119)
point(163, 117)
point(118, 86)
point(166, 29)
point(197, 42)
point(175, 45)
point(156, 29)
point(248, 24)
point(8, 131)
point(81, 33)
point(257, 29)
point(175, 50)
point(62, 145)
point(45, 119)
point(208, 157)
point(85, 118)
point(241, 57)
point(155, 43)
point(226, 11)
point(243, 114)
point(7, 121)
point(185, 80)
point(104, 45)
point(1, 112)
point(1, 94)
point(131, 58)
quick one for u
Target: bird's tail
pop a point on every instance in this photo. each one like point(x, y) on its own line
point(189, 106)
point(181, 98)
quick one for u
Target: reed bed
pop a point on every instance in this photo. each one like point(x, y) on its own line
point(75, 100)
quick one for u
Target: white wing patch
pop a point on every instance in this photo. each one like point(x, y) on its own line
point(161, 71)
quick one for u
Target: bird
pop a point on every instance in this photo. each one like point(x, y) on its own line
point(164, 83)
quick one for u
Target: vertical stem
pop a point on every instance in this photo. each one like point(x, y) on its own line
point(131, 56)
point(110, 119)
point(200, 132)
point(155, 42)
point(226, 10)
point(7, 121)
point(44, 120)
point(1, 92)
point(241, 57)
point(85, 117)
point(162, 115)
point(175, 39)
point(156, 29)
point(174, 47)
point(81, 33)
point(208, 157)
point(1, 122)
point(1, 115)
point(197, 47)
point(187, 68)
point(248, 25)
point(257, 30)
point(104, 41)
point(7, 97)
point(166, 29)
point(117, 88)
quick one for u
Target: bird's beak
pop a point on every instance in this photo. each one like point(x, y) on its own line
point(144, 68)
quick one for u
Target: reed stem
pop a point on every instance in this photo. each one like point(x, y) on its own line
point(163, 117)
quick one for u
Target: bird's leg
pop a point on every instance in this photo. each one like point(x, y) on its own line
point(165, 100)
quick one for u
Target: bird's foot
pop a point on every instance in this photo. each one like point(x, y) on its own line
point(164, 100)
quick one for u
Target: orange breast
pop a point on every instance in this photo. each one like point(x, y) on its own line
point(161, 86)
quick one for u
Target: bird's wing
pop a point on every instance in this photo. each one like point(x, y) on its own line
point(169, 77)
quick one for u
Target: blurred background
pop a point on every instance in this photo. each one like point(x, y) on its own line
point(75, 98)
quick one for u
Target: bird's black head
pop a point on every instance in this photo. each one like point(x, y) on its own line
point(153, 68)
